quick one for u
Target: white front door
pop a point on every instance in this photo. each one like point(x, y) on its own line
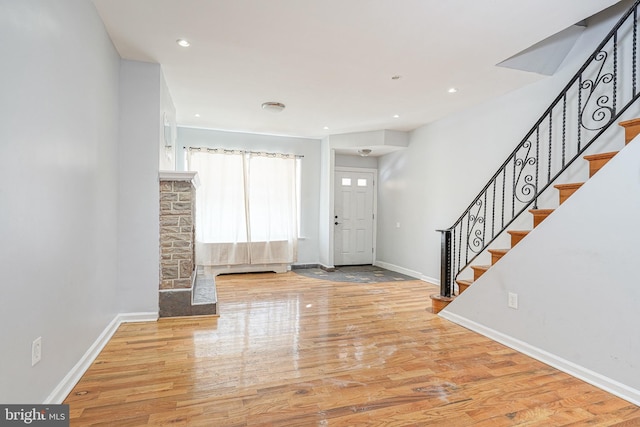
point(353, 218)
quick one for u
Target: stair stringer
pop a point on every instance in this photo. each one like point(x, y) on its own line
point(578, 300)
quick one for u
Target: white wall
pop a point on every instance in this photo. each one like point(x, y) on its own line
point(325, 226)
point(575, 277)
point(308, 246)
point(59, 194)
point(427, 186)
point(348, 161)
point(168, 131)
point(375, 140)
point(138, 189)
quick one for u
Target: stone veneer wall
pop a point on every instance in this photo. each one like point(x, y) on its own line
point(181, 292)
point(177, 244)
point(177, 234)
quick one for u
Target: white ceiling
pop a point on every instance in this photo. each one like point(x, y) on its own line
point(331, 61)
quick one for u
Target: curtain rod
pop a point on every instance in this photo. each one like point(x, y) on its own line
point(232, 151)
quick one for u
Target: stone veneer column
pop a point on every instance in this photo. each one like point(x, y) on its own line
point(177, 242)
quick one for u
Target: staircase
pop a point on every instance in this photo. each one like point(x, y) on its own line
point(596, 162)
point(594, 99)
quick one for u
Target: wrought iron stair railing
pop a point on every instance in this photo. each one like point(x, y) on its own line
point(602, 89)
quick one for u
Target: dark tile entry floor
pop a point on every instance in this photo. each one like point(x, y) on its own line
point(355, 273)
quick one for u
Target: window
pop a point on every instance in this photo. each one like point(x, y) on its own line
point(246, 207)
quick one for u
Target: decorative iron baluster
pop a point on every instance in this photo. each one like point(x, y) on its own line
point(528, 189)
point(602, 113)
point(535, 203)
point(459, 247)
point(504, 184)
point(466, 247)
point(579, 110)
point(513, 188)
point(564, 127)
point(454, 266)
point(493, 211)
point(550, 145)
point(484, 216)
point(615, 73)
point(635, 37)
point(475, 237)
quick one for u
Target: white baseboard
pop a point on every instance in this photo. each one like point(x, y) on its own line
point(65, 386)
point(407, 272)
point(137, 317)
point(431, 280)
point(398, 269)
point(607, 384)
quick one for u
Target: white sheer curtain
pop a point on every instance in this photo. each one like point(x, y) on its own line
point(246, 207)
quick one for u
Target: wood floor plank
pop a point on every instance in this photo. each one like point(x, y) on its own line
point(289, 350)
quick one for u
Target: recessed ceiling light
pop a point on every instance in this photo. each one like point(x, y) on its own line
point(196, 115)
point(452, 90)
point(183, 42)
point(396, 116)
point(326, 128)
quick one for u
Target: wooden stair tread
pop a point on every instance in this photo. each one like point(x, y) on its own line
point(439, 302)
point(498, 251)
point(540, 215)
point(600, 156)
point(567, 190)
point(597, 161)
point(517, 236)
point(569, 186)
point(631, 122)
point(541, 211)
point(463, 284)
point(519, 232)
point(497, 254)
point(631, 129)
point(479, 270)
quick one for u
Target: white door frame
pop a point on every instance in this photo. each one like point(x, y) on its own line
point(375, 206)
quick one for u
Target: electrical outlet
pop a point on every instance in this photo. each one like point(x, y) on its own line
point(513, 300)
point(36, 351)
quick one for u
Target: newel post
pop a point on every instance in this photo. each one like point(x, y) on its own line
point(446, 286)
point(440, 301)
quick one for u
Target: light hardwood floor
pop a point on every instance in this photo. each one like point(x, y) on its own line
point(294, 351)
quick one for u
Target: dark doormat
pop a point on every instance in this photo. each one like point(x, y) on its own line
point(355, 273)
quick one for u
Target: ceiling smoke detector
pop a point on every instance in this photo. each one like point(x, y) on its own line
point(274, 107)
point(364, 152)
